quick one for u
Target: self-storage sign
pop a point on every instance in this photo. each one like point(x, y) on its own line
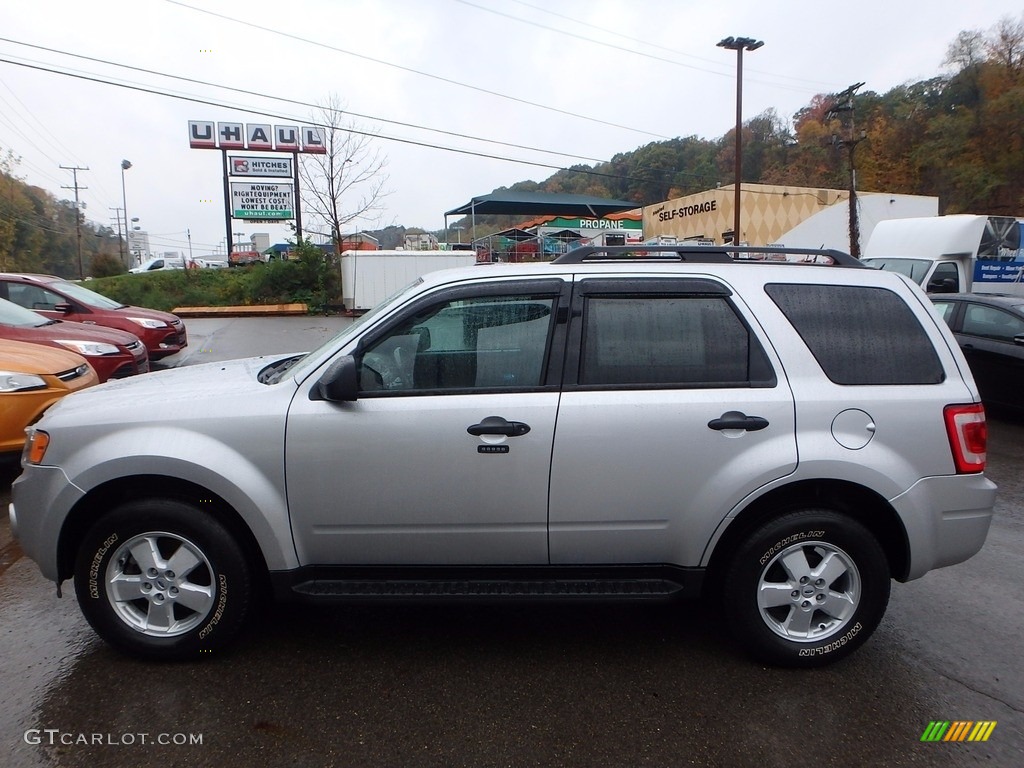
point(262, 202)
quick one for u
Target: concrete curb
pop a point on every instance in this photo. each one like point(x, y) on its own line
point(255, 310)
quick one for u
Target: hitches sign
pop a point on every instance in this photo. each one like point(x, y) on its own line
point(261, 166)
point(262, 201)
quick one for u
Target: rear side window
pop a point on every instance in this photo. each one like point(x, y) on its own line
point(651, 340)
point(859, 335)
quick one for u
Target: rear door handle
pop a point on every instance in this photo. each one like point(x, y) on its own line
point(738, 420)
point(496, 425)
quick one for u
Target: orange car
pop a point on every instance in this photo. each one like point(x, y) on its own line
point(32, 378)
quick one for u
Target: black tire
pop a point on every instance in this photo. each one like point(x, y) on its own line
point(156, 612)
point(806, 589)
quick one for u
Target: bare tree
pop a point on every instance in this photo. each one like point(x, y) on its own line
point(347, 183)
point(966, 51)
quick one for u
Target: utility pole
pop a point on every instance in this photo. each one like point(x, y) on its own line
point(844, 103)
point(78, 212)
point(120, 243)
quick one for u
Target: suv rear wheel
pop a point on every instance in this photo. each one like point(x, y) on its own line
point(161, 579)
point(806, 589)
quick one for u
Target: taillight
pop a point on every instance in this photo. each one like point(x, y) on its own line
point(968, 436)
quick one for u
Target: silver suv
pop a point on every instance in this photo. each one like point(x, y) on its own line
point(783, 438)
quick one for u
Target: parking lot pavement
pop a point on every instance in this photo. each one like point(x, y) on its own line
point(214, 339)
point(525, 685)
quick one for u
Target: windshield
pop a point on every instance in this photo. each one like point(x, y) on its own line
point(84, 295)
point(915, 269)
point(302, 366)
point(13, 314)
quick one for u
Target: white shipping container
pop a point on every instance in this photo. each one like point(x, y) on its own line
point(369, 277)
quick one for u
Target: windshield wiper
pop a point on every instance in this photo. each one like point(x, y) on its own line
point(276, 371)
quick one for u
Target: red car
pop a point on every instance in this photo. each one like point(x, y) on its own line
point(162, 332)
point(114, 354)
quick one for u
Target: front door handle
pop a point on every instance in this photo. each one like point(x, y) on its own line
point(738, 420)
point(496, 425)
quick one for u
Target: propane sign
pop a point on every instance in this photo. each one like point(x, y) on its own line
point(262, 202)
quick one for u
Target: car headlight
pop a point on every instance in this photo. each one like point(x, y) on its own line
point(11, 381)
point(89, 348)
point(148, 322)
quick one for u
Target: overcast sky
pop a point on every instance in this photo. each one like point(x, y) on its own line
point(549, 82)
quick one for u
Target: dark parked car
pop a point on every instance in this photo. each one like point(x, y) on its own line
point(163, 333)
point(990, 331)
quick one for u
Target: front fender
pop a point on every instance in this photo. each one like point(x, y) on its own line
point(251, 483)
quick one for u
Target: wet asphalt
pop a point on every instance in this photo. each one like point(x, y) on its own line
point(518, 686)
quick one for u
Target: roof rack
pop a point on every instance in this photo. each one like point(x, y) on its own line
point(709, 254)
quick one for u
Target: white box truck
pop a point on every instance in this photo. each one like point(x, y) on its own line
point(369, 277)
point(952, 254)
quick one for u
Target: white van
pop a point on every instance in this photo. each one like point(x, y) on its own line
point(155, 265)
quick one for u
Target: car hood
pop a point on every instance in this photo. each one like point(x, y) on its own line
point(65, 329)
point(190, 391)
point(153, 314)
point(36, 358)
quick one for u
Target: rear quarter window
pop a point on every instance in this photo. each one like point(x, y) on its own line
point(859, 335)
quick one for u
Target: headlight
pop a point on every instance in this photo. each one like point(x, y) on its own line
point(89, 348)
point(148, 322)
point(19, 382)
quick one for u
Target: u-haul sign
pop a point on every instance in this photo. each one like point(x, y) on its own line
point(262, 202)
point(204, 134)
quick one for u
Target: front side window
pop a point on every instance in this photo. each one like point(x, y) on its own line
point(484, 343)
point(33, 296)
point(991, 323)
point(652, 340)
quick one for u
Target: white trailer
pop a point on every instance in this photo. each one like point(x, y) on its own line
point(369, 277)
point(950, 254)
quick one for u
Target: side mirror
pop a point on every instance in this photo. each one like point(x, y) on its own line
point(942, 285)
point(340, 383)
point(65, 308)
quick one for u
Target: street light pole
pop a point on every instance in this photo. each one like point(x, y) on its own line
point(739, 44)
point(125, 165)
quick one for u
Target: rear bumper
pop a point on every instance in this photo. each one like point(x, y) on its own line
point(946, 520)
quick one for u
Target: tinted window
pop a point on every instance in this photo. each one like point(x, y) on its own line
point(859, 335)
point(32, 296)
point(468, 343)
point(658, 340)
point(991, 323)
point(944, 309)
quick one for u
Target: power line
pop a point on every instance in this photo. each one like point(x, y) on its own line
point(439, 78)
point(296, 102)
point(411, 142)
point(647, 44)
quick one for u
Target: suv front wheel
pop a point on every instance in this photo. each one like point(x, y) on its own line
point(806, 588)
point(161, 579)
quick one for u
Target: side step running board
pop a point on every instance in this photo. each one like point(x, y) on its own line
point(489, 589)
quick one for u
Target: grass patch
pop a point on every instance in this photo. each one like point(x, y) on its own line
point(311, 282)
